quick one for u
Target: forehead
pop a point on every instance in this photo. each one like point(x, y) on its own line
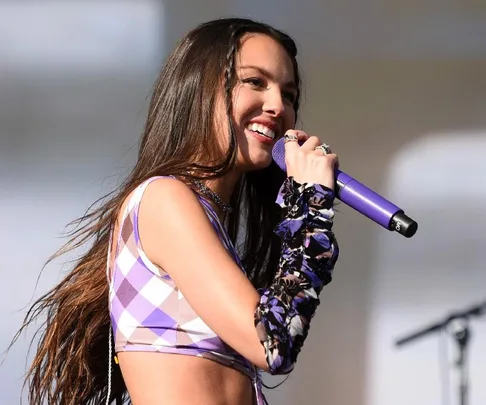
point(262, 51)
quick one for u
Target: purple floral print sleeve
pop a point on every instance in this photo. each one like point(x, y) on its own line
point(309, 252)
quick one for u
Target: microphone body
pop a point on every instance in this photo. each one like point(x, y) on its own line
point(362, 199)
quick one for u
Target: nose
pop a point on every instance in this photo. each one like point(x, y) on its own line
point(274, 103)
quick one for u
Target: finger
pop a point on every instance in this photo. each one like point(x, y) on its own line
point(324, 149)
point(301, 135)
point(336, 162)
point(294, 144)
point(332, 158)
point(311, 143)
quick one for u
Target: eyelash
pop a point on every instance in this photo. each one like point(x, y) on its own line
point(257, 82)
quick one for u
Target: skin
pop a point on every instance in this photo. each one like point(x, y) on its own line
point(211, 282)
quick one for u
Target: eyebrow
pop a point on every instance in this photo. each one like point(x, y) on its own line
point(289, 85)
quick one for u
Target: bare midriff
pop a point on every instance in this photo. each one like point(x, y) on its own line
point(173, 379)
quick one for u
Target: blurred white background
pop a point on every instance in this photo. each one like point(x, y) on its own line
point(398, 88)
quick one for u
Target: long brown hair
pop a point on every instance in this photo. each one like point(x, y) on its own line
point(71, 362)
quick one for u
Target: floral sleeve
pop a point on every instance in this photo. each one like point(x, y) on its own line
point(309, 252)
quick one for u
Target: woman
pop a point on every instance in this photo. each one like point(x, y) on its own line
point(199, 259)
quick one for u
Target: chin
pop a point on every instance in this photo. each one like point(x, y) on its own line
point(254, 163)
point(254, 155)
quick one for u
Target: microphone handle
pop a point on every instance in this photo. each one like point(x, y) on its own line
point(373, 206)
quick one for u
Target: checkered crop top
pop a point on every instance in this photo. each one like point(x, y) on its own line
point(149, 313)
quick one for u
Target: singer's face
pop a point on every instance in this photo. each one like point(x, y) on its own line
point(263, 99)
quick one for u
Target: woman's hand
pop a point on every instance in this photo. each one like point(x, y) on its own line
point(305, 163)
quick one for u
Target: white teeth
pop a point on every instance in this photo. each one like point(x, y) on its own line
point(269, 133)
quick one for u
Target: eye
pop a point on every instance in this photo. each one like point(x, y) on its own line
point(289, 96)
point(254, 82)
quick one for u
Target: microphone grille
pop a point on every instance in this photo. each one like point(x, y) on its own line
point(278, 154)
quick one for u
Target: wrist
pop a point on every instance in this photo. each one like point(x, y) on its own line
point(294, 196)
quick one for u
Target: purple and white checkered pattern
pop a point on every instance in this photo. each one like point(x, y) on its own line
point(148, 312)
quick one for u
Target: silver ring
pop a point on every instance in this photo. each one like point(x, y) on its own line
point(324, 148)
point(290, 138)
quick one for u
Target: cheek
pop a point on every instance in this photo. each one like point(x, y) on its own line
point(245, 101)
point(289, 121)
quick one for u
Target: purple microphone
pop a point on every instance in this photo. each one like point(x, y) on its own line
point(362, 199)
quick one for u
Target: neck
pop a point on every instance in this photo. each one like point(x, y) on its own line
point(224, 187)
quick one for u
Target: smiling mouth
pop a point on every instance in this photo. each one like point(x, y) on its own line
point(261, 130)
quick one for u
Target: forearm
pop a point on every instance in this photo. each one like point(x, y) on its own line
point(309, 253)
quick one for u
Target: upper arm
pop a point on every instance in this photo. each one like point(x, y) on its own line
point(177, 235)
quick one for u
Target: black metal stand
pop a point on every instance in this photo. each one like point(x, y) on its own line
point(461, 333)
point(458, 323)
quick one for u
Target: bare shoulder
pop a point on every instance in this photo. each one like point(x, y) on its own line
point(161, 195)
point(168, 205)
point(172, 219)
point(168, 192)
